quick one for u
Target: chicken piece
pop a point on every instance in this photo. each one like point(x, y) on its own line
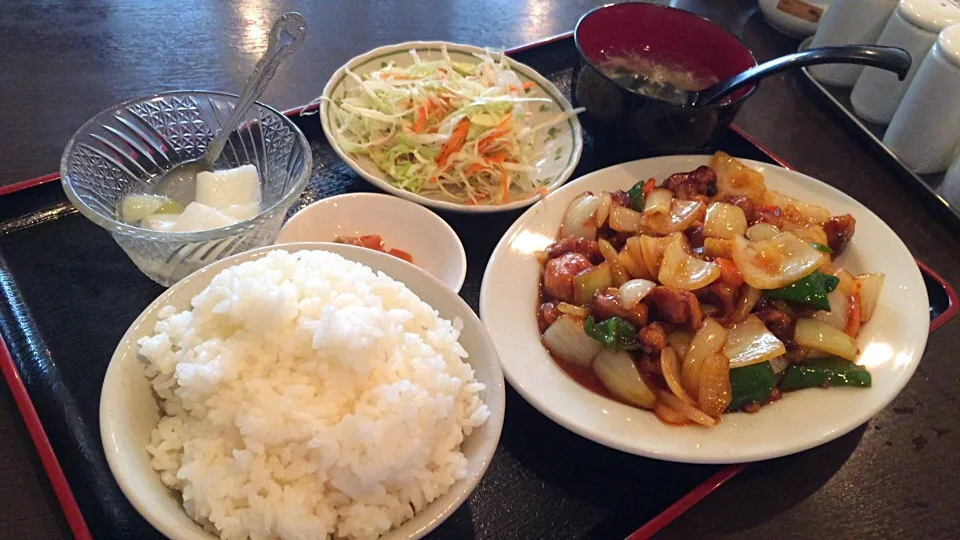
point(547, 315)
point(652, 338)
point(573, 244)
point(607, 304)
point(721, 295)
point(839, 231)
point(689, 186)
point(674, 306)
point(558, 275)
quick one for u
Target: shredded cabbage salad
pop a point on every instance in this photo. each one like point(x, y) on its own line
point(447, 129)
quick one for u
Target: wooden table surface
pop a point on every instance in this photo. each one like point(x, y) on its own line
point(61, 62)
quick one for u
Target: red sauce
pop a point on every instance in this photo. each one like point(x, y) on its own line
point(374, 242)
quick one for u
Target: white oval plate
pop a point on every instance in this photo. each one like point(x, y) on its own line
point(129, 411)
point(892, 342)
point(403, 225)
point(562, 148)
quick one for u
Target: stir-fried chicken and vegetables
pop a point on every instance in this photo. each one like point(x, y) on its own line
point(706, 294)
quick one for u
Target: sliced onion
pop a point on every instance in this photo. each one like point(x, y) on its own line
point(625, 220)
point(718, 247)
point(653, 247)
point(735, 178)
point(775, 262)
point(724, 221)
point(670, 416)
point(812, 212)
point(607, 250)
point(635, 290)
point(580, 219)
point(588, 282)
point(686, 409)
point(657, 201)
point(848, 283)
point(750, 342)
point(603, 208)
point(633, 267)
point(821, 336)
point(749, 296)
point(708, 340)
point(762, 231)
point(670, 367)
point(580, 312)
point(810, 232)
point(682, 270)
point(870, 287)
point(619, 375)
point(680, 341)
point(566, 340)
point(715, 392)
point(839, 310)
point(779, 364)
point(681, 216)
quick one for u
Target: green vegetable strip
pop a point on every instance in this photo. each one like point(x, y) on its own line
point(820, 247)
point(751, 384)
point(812, 290)
point(614, 333)
point(636, 196)
point(824, 372)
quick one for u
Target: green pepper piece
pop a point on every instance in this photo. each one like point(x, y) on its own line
point(820, 247)
point(812, 290)
point(751, 384)
point(636, 196)
point(614, 333)
point(824, 372)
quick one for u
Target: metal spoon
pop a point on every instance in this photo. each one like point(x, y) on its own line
point(888, 58)
point(285, 36)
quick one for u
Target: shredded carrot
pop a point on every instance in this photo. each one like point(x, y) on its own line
point(854, 313)
point(421, 121)
point(455, 142)
point(489, 141)
point(648, 186)
point(476, 168)
point(438, 175)
point(526, 86)
point(729, 274)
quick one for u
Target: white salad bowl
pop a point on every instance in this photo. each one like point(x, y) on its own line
point(129, 410)
point(891, 343)
point(560, 146)
point(432, 243)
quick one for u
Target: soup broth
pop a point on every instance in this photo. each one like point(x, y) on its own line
point(656, 76)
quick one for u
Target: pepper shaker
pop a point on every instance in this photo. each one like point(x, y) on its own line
point(914, 26)
point(849, 22)
point(926, 127)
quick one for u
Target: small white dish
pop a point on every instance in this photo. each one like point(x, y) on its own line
point(433, 244)
point(891, 343)
point(129, 411)
point(564, 144)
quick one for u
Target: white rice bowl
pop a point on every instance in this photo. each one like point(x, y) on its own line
point(305, 396)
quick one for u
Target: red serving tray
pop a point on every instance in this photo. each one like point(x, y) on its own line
point(69, 504)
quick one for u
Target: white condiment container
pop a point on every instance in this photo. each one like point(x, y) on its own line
point(926, 127)
point(849, 22)
point(914, 26)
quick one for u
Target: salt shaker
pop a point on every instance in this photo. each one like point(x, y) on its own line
point(926, 127)
point(849, 22)
point(914, 26)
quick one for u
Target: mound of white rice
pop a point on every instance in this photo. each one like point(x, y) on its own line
point(306, 396)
